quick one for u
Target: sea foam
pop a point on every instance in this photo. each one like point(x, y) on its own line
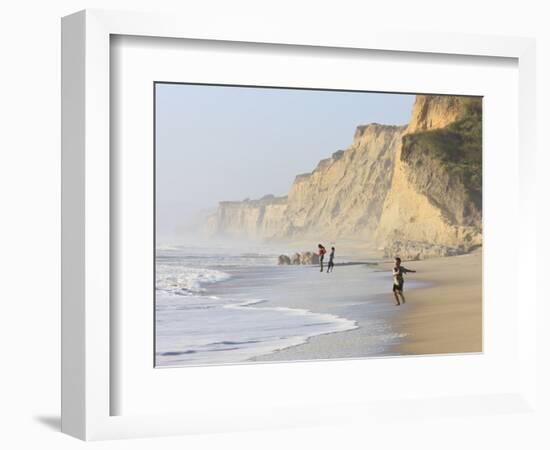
point(195, 327)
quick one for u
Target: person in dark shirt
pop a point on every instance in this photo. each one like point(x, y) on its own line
point(330, 267)
point(398, 271)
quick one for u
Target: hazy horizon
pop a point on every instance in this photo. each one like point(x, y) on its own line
point(218, 143)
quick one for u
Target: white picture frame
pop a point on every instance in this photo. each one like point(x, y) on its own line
point(87, 384)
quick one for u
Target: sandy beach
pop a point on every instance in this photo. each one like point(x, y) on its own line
point(445, 317)
point(443, 313)
point(218, 307)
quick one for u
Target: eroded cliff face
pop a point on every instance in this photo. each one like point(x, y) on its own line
point(413, 189)
point(345, 194)
point(249, 219)
point(434, 111)
point(432, 202)
point(342, 197)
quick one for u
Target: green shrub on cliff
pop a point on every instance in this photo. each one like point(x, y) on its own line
point(457, 146)
point(337, 155)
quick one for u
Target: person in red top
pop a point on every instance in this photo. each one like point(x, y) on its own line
point(322, 252)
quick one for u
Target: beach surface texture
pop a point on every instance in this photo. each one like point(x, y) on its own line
point(446, 316)
point(442, 314)
point(223, 308)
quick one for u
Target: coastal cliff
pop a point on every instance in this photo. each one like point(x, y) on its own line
point(434, 205)
point(343, 196)
point(413, 189)
point(250, 219)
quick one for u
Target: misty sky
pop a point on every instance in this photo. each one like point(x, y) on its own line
point(218, 143)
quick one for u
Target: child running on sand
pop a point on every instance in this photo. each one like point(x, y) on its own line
point(398, 271)
point(322, 252)
point(330, 267)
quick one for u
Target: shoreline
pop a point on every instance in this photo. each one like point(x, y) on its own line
point(294, 312)
point(442, 315)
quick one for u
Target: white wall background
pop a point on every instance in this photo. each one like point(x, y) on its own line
point(30, 196)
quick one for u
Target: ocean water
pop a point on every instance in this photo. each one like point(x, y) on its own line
point(199, 322)
point(232, 304)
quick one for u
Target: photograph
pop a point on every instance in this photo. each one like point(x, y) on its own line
point(300, 224)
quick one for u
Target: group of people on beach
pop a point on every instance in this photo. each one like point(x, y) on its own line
point(322, 252)
point(397, 272)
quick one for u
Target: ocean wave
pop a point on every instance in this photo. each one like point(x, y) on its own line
point(339, 323)
point(167, 247)
point(186, 280)
point(193, 256)
point(217, 332)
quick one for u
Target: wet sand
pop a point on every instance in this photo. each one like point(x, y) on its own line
point(443, 313)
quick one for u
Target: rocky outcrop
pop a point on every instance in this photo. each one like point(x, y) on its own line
point(435, 111)
point(283, 260)
point(302, 258)
point(414, 189)
point(414, 251)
